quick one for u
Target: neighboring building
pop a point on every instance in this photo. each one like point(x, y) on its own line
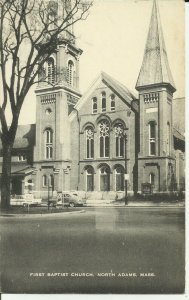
point(88, 143)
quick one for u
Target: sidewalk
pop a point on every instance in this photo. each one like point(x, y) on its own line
point(142, 203)
point(100, 204)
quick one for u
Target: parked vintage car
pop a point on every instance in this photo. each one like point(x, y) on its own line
point(71, 199)
point(24, 200)
point(52, 202)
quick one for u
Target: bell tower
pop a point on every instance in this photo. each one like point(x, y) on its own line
point(57, 93)
point(156, 87)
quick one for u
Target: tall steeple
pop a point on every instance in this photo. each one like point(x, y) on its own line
point(155, 68)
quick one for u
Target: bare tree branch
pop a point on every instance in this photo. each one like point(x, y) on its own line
point(34, 25)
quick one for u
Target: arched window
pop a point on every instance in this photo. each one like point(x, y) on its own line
point(51, 70)
point(90, 179)
point(152, 179)
point(119, 178)
point(48, 143)
point(89, 142)
point(103, 101)
point(94, 105)
point(118, 129)
point(112, 98)
point(70, 72)
point(104, 130)
point(152, 138)
point(104, 179)
point(44, 180)
point(168, 139)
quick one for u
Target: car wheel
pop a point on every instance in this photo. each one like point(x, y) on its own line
point(72, 204)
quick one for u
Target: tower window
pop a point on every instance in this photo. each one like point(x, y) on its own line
point(168, 139)
point(51, 70)
point(104, 139)
point(152, 138)
point(118, 129)
point(44, 180)
point(70, 72)
point(103, 101)
point(112, 98)
point(94, 105)
point(51, 182)
point(48, 143)
point(152, 179)
point(48, 111)
point(89, 142)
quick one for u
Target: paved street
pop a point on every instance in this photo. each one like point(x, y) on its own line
point(103, 250)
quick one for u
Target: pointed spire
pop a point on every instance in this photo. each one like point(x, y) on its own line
point(155, 66)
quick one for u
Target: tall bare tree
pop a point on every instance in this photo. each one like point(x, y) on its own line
point(30, 31)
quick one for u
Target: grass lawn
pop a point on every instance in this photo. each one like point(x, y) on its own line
point(37, 210)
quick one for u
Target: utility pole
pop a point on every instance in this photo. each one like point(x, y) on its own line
point(48, 192)
point(126, 175)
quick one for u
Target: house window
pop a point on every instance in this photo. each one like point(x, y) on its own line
point(119, 179)
point(44, 180)
point(89, 142)
point(103, 101)
point(94, 105)
point(168, 139)
point(48, 143)
point(152, 138)
point(90, 179)
point(104, 179)
point(112, 98)
point(104, 138)
point(22, 157)
point(51, 70)
point(119, 139)
point(70, 72)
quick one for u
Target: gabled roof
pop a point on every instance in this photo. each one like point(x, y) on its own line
point(119, 88)
point(21, 170)
point(155, 66)
point(25, 137)
point(179, 140)
point(178, 135)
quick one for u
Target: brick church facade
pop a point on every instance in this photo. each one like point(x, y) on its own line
point(88, 143)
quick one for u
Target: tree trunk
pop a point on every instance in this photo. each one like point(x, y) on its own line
point(6, 176)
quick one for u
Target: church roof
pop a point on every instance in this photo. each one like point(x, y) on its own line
point(25, 137)
point(155, 66)
point(119, 87)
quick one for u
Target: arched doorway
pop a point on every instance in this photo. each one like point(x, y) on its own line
point(104, 178)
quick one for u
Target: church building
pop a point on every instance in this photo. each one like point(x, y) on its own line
point(106, 140)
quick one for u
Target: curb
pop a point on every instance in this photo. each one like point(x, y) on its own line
point(135, 206)
point(41, 215)
point(60, 214)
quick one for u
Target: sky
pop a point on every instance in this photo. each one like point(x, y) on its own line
point(113, 40)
